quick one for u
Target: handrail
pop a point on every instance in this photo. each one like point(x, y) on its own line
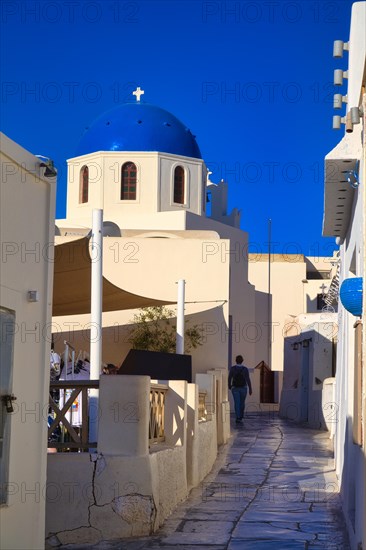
point(156, 386)
point(64, 384)
point(64, 435)
point(63, 407)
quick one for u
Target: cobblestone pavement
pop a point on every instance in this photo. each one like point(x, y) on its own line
point(273, 486)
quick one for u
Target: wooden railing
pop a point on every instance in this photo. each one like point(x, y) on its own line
point(68, 417)
point(157, 413)
point(202, 409)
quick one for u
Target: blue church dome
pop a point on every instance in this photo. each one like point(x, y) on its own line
point(139, 127)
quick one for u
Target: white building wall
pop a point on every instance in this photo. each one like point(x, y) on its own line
point(350, 456)
point(350, 460)
point(154, 192)
point(287, 301)
point(308, 363)
point(232, 251)
point(26, 196)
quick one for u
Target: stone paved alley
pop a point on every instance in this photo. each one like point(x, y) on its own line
point(273, 486)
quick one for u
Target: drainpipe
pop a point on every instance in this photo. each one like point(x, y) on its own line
point(304, 296)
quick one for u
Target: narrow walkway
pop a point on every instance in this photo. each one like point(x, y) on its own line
point(272, 487)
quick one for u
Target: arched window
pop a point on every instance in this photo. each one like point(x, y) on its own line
point(128, 181)
point(84, 185)
point(179, 185)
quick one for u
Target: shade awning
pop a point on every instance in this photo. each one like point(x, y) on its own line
point(72, 283)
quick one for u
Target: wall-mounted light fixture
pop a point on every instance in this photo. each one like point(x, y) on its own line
point(356, 114)
point(338, 100)
point(337, 121)
point(339, 75)
point(339, 47)
point(353, 117)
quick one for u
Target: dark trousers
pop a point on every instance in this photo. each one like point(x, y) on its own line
point(239, 395)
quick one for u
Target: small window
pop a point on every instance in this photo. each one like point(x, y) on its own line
point(128, 181)
point(84, 185)
point(179, 185)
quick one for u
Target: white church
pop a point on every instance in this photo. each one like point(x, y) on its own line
point(144, 169)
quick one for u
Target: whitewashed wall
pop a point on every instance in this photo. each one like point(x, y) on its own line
point(126, 489)
point(26, 196)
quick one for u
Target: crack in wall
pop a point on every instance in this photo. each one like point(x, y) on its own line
point(94, 458)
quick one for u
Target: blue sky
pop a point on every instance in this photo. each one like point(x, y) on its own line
point(252, 80)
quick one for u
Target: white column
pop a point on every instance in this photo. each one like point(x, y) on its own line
point(96, 294)
point(180, 317)
point(96, 317)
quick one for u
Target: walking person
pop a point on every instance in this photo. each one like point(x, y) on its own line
point(239, 383)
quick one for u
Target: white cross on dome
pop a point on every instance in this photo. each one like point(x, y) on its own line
point(138, 93)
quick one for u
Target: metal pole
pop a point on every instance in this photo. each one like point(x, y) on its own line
point(72, 364)
point(96, 294)
point(96, 317)
point(180, 317)
point(66, 359)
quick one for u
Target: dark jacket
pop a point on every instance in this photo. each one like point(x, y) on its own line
point(246, 375)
